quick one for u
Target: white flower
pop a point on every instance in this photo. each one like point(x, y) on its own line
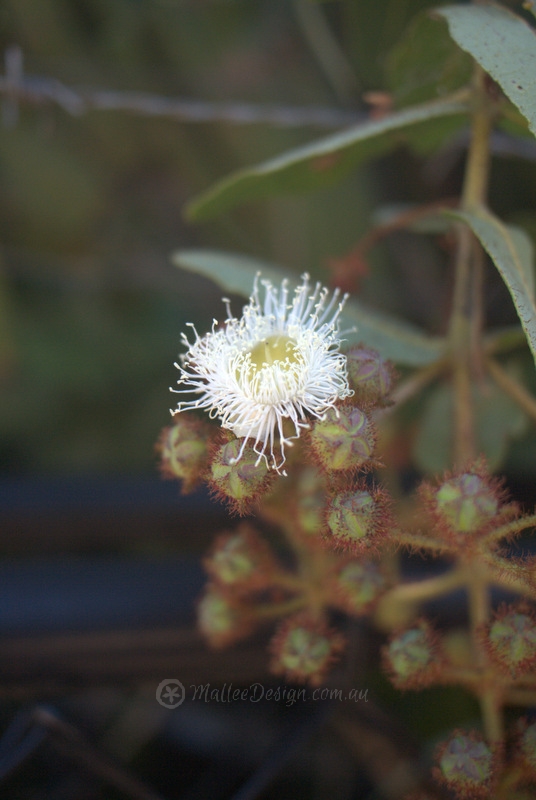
point(279, 362)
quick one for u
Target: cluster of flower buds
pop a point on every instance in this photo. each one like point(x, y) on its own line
point(288, 400)
point(241, 567)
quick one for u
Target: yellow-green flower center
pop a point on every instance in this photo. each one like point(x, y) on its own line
point(277, 347)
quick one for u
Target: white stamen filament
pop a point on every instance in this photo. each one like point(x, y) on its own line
point(277, 362)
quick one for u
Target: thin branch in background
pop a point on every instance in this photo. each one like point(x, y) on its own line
point(16, 88)
point(29, 730)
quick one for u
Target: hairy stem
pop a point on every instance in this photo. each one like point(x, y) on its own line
point(479, 612)
point(466, 312)
point(511, 387)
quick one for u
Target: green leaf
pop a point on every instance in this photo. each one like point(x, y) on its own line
point(497, 420)
point(395, 339)
point(233, 272)
point(512, 255)
point(426, 63)
point(525, 250)
point(504, 46)
point(320, 163)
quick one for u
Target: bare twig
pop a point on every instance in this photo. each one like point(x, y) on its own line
point(15, 88)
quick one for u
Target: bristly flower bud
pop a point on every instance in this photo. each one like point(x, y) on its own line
point(467, 766)
point(241, 561)
point(511, 640)
point(184, 449)
point(304, 649)
point(237, 476)
point(357, 521)
point(358, 585)
point(369, 375)
point(222, 620)
point(413, 657)
point(466, 504)
point(343, 440)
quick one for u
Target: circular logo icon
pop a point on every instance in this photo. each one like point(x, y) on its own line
point(170, 693)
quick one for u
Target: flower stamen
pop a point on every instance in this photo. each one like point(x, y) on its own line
point(278, 362)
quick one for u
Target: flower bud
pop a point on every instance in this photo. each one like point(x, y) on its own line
point(343, 440)
point(183, 449)
point(466, 766)
point(357, 520)
point(221, 620)
point(241, 561)
point(304, 649)
point(412, 657)
point(239, 482)
point(466, 502)
point(511, 640)
point(369, 375)
point(357, 586)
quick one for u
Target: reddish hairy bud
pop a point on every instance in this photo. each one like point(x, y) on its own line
point(222, 620)
point(466, 504)
point(241, 561)
point(369, 375)
point(344, 440)
point(304, 648)
point(357, 521)
point(511, 639)
point(184, 450)
point(239, 482)
point(413, 657)
point(358, 585)
point(467, 766)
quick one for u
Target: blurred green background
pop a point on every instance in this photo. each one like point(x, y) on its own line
point(91, 205)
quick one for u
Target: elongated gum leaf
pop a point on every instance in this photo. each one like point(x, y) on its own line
point(503, 44)
point(395, 339)
point(510, 259)
point(320, 163)
point(233, 272)
point(498, 420)
point(426, 63)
